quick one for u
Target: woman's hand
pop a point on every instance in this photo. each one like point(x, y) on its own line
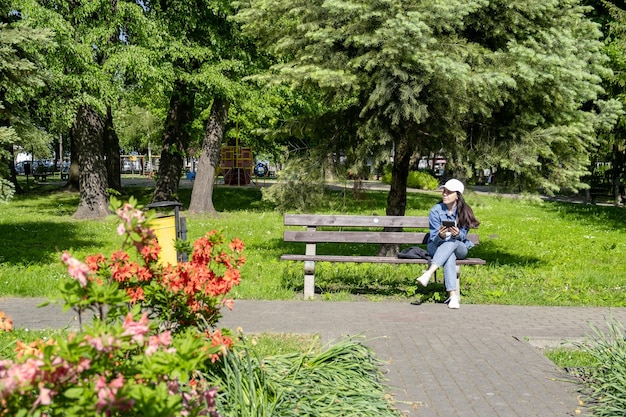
point(454, 231)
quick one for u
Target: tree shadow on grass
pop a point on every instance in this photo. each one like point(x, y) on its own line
point(495, 254)
point(376, 279)
point(610, 217)
point(39, 242)
point(225, 198)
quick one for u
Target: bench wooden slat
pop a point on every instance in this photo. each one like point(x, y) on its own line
point(371, 259)
point(316, 236)
point(355, 221)
point(353, 237)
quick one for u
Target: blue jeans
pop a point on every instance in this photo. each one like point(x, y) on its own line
point(445, 256)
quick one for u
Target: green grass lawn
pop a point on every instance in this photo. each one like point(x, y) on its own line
point(537, 253)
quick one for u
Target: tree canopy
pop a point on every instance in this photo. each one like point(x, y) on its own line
point(22, 78)
point(525, 88)
point(506, 84)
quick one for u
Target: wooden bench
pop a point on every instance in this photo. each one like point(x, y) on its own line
point(40, 176)
point(605, 192)
point(357, 229)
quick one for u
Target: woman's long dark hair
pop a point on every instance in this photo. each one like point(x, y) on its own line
point(465, 214)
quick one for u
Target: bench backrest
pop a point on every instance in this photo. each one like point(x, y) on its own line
point(313, 221)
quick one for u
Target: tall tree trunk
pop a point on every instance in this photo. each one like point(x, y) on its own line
point(12, 171)
point(202, 193)
point(112, 152)
point(616, 173)
point(88, 134)
point(175, 142)
point(396, 200)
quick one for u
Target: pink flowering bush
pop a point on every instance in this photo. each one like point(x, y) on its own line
point(151, 337)
point(109, 370)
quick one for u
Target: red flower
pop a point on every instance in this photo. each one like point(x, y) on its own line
point(150, 251)
point(144, 274)
point(95, 262)
point(118, 256)
point(236, 245)
point(136, 294)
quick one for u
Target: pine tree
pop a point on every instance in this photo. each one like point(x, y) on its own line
point(487, 83)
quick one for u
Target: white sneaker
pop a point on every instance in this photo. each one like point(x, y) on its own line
point(424, 278)
point(454, 301)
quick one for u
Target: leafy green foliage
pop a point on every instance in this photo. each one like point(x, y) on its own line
point(22, 76)
point(417, 179)
point(300, 186)
point(490, 84)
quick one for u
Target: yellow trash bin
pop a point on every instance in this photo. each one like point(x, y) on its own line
point(165, 231)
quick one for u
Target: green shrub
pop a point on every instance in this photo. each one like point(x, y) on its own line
point(417, 179)
point(422, 180)
point(300, 186)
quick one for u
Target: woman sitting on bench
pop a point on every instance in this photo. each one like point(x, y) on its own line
point(449, 222)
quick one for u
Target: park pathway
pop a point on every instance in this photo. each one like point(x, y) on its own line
point(479, 361)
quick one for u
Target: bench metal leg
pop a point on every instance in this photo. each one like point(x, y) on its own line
point(309, 273)
point(458, 279)
point(309, 280)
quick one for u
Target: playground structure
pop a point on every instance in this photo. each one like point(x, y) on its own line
point(237, 164)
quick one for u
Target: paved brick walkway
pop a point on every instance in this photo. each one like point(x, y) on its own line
point(474, 362)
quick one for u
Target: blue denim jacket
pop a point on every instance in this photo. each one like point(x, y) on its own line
point(437, 214)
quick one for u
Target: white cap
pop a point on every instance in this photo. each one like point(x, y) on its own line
point(453, 185)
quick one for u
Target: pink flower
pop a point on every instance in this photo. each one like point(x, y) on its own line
point(76, 269)
point(107, 394)
point(136, 329)
point(45, 395)
point(18, 376)
point(162, 339)
point(105, 343)
point(229, 303)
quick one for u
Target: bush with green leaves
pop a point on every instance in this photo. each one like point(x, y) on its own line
point(417, 179)
point(300, 186)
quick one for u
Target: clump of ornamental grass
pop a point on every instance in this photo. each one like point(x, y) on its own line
point(604, 382)
point(342, 380)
